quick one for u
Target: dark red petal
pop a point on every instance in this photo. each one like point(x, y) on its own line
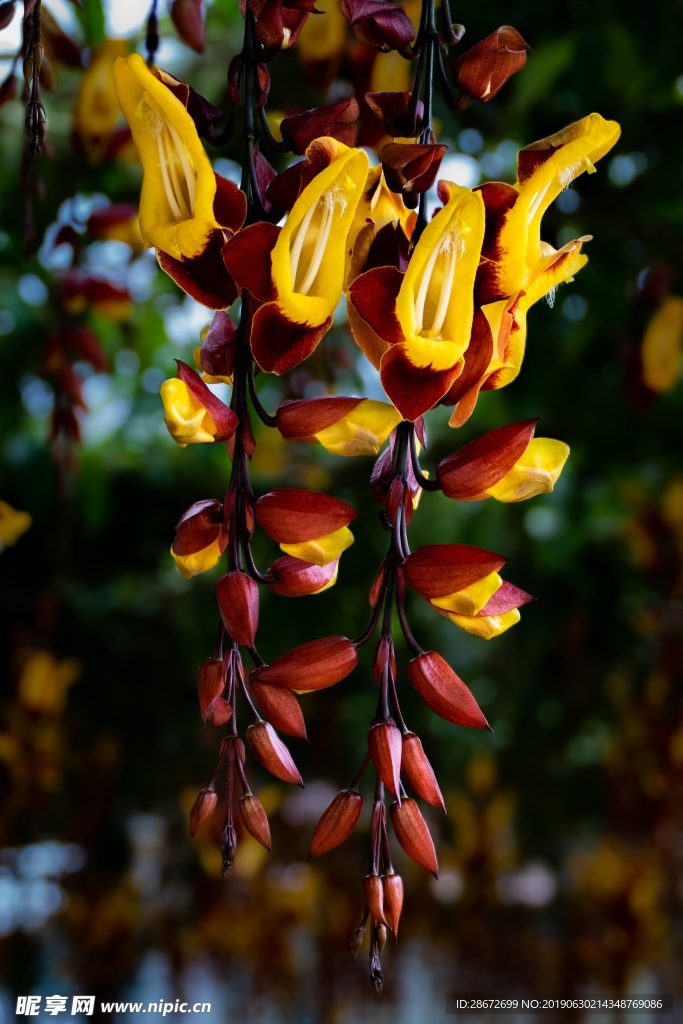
point(505, 599)
point(229, 204)
point(278, 343)
point(296, 578)
point(205, 277)
point(373, 296)
point(198, 527)
point(224, 418)
point(291, 515)
point(280, 707)
point(477, 359)
point(414, 390)
point(469, 472)
point(437, 570)
point(271, 752)
point(247, 256)
point(305, 417)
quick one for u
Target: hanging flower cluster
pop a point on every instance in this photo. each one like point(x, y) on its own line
point(437, 304)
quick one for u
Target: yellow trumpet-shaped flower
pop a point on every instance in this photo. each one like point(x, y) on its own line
point(535, 473)
point(97, 107)
point(485, 626)
point(179, 184)
point(344, 426)
point(322, 550)
point(192, 412)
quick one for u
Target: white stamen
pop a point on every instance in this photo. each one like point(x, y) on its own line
point(188, 169)
point(446, 288)
point(320, 245)
point(169, 149)
point(424, 286)
point(550, 297)
point(298, 242)
point(170, 195)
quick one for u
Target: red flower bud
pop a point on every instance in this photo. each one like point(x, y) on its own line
point(225, 419)
point(392, 886)
point(385, 26)
point(444, 692)
point(296, 578)
point(219, 347)
point(202, 809)
point(485, 68)
point(440, 569)
point(418, 771)
point(238, 601)
point(384, 743)
point(211, 683)
point(337, 822)
point(410, 169)
point(311, 666)
point(280, 707)
point(469, 472)
point(270, 751)
point(255, 819)
point(293, 516)
point(198, 530)
point(101, 222)
point(187, 17)
point(413, 835)
point(219, 711)
point(374, 897)
point(334, 119)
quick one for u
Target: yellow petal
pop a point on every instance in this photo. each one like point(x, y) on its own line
point(485, 626)
point(308, 257)
point(12, 524)
point(198, 561)
point(535, 473)
point(188, 422)
point(471, 600)
point(44, 682)
point(323, 38)
point(362, 431)
point(435, 303)
point(179, 184)
point(378, 207)
point(662, 346)
point(322, 550)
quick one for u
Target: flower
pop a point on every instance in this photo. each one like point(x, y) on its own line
point(307, 525)
point(186, 210)
point(380, 232)
point(344, 426)
point(508, 464)
point(12, 525)
point(200, 538)
point(517, 268)
point(662, 345)
point(302, 287)
point(422, 320)
point(193, 413)
point(97, 107)
point(482, 71)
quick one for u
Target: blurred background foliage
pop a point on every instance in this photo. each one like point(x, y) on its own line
point(561, 855)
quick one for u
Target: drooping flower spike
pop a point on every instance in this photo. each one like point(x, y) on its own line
point(297, 271)
point(186, 209)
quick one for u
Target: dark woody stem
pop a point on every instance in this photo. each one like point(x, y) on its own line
point(423, 481)
point(428, 43)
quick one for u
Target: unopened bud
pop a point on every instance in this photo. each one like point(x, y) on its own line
point(380, 936)
point(376, 976)
point(228, 847)
point(38, 54)
point(357, 940)
point(203, 808)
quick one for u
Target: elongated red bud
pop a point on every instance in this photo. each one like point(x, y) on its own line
point(311, 666)
point(418, 772)
point(437, 570)
point(228, 848)
point(384, 743)
point(380, 936)
point(255, 819)
point(357, 940)
point(444, 692)
point(239, 748)
point(280, 707)
point(238, 601)
point(469, 472)
point(383, 655)
point(413, 835)
point(293, 516)
point(392, 889)
point(295, 578)
point(187, 17)
point(270, 751)
point(211, 683)
point(219, 711)
point(374, 897)
point(202, 809)
point(337, 822)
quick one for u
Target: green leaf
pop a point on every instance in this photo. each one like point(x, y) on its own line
point(92, 22)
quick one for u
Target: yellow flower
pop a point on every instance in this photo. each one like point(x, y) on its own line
point(44, 682)
point(179, 184)
point(344, 426)
point(12, 525)
point(198, 561)
point(662, 346)
point(97, 106)
point(464, 608)
point(535, 473)
point(322, 550)
point(192, 412)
